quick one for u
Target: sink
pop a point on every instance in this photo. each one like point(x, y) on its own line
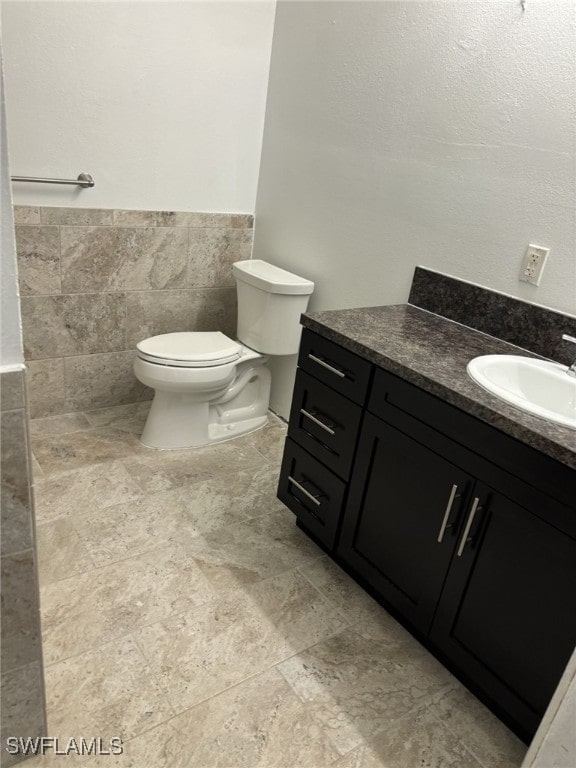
point(540, 387)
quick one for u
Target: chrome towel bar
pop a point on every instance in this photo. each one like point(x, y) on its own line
point(83, 180)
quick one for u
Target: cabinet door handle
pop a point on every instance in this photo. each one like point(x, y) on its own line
point(303, 490)
point(327, 366)
point(465, 536)
point(321, 424)
point(453, 495)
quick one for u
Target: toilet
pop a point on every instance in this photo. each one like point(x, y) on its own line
point(210, 388)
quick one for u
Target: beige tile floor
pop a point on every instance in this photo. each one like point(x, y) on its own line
point(185, 613)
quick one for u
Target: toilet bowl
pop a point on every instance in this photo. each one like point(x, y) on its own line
point(210, 388)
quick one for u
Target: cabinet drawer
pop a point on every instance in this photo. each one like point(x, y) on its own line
point(312, 492)
point(324, 423)
point(343, 371)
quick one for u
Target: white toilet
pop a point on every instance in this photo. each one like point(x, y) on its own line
point(211, 388)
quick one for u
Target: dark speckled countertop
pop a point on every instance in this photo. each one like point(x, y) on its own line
point(432, 352)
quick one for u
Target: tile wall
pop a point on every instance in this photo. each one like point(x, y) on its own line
point(21, 686)
point(94, 282)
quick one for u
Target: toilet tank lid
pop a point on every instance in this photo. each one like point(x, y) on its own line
point(270, 278)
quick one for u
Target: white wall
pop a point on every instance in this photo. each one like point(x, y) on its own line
point(162, 102)
point(433, 133)
point(10, 328)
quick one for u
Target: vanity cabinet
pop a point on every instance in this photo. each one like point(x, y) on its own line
point(476, 560)
point(464, 533)
point(330, 390)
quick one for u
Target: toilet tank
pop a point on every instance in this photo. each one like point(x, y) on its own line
point(270, 302)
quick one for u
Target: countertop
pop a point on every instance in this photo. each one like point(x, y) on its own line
point(432, 352)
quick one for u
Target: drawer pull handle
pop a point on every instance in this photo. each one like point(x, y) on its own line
point(321, 424)
point(465, 536)
point(453, 495)
point(303, 490)
point(327, 366)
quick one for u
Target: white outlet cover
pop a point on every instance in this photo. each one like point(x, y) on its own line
point(533, 264)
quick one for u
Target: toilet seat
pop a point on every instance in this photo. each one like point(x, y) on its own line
point(190, 349)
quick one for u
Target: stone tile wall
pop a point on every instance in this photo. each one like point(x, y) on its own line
point(95, 282)
point(21, 685)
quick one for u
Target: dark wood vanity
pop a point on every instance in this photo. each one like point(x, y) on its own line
point(463, 530)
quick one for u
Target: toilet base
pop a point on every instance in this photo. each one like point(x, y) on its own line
point(217, 433)
point(179, 420)
point(175, 420)
point(221, 432)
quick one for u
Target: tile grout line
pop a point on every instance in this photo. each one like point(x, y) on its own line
point(226, 222)
point(167, 545)
point(17, 552)
point(65, 387)
point(9, 411)
point(251, 677)
point(429, 706)
point(194, 482)
point(214, 696)
point(59, 434)
point(112, 292)
point(422, 707)
point(157, 680)
point(161, 543)
point(60, 258)
point(365, 740)
point(21, 667)
point(318, 589)
point(142, 227)
point(123, 437)
point(128, 458)
point(470, 749)
point(70, 520)
point(216, 597)
point(89, 649)
point(203, 701)
point(153, 548)
point(126, 321)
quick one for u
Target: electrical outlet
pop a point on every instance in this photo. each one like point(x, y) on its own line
point(533, 264)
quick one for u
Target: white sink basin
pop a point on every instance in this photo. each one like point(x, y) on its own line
point(542, 388)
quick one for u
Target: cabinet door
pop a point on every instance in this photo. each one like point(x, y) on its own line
point(402, 519)
point(506, 617)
